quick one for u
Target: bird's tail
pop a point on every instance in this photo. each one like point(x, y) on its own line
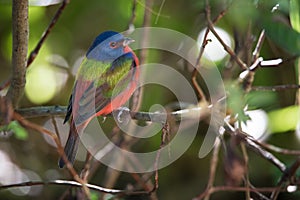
point(71, 145)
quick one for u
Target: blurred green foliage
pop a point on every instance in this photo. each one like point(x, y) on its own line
point(82, 21)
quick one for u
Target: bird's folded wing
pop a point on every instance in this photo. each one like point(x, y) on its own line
point(94, 96)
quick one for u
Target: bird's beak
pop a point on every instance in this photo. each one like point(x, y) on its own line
point(127, 41)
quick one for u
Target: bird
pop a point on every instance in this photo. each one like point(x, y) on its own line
point(105, 81)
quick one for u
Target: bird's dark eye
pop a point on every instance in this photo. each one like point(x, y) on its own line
point(113, 44)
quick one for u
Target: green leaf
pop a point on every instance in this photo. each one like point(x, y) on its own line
point(295, 14)
point(20, 132)
point(236, 102)
point(284, 120)
point(94, 196)
point(265, 100)
point(284, 36)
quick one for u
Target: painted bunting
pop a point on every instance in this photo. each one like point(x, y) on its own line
point(106, 79)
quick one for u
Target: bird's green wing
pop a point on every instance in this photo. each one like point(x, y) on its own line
point(95, 88)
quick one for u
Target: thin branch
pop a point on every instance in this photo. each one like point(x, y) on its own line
point(85, 172)
point(157, 117)
point(285, 178)
point(225, 46)
point(246, 159)
point(138, 95)
point(36, 50)
point(4, 84)
point(236, 189)
point(243, 137)
point(275, 87)
point(73, 184)
point(213, 166)
point(277, 149)
point(133, 16)
point(142, 180)
point(164, 137)
point(159, 11)
point(258, 47)
point(265, 154)
point(197, 65)
point(42, 111)
point(20, 31)
point(60, 149)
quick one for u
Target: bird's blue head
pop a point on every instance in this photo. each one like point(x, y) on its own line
point(108, 46)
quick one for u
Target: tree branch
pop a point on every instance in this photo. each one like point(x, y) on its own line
point(20, 31)
point(74, 184)
point(36, 50)
point(275, 87)
point(190, 113)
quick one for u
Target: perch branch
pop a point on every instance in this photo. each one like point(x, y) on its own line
point(157, 117)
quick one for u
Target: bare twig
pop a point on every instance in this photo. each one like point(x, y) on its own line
point(259, 43)
point(159, 12)
point(20, 31)
point(4, 84)
point(246, 159)
point(276, 149)
point(213, 166)
point(286, 178)
point(275, 87)
point(164, 136)
point(60, 150)
point(157, 117)
point(225, 46)
point(143, 179)
point(197, 65)
point(243, 137)
point(236, 189)
point(36, 50)
point(265, 154)
point(74, 184)
point(247, 76)
point(86, 170)
point(20, 44)
point(138, 95)
point(42, 111)
point(130, 26)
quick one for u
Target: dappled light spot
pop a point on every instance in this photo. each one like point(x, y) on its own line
point(214, 50)
point(41, 84)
